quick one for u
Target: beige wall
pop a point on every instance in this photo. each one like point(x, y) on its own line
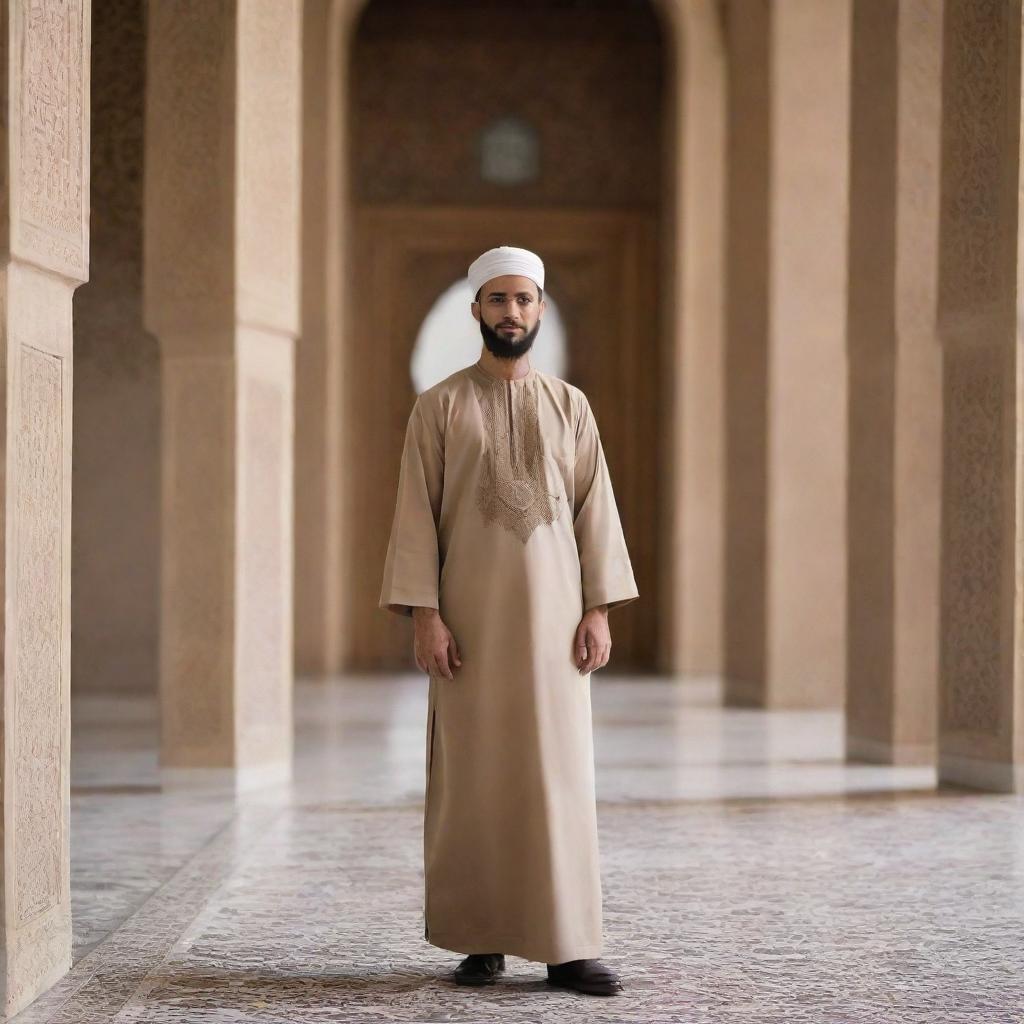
point(116, 465)
point(895, 383)
point(749, 184)
point(693, 369)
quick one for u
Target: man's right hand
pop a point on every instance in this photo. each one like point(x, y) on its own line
point(433, 643)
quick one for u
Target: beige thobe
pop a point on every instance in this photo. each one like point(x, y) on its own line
point(505, 521)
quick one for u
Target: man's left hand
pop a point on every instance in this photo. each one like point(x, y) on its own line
point(593, 643)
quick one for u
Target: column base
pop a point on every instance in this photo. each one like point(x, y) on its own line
point(37, 956)
point(863, 748)
point(240, 780)
point(745, 693)
point(976, 773)
point(742, 693)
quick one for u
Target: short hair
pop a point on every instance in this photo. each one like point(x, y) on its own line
point(540, 293)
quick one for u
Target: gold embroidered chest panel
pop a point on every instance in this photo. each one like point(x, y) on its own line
point(513, 489)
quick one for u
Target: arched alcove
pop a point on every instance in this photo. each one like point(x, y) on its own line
point(415, 165)
point(447, 159)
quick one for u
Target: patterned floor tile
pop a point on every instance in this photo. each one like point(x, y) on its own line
point(750, 877)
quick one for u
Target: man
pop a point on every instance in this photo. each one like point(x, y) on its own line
point(507, 551)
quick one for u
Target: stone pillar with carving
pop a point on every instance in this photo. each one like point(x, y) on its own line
point(221, 282)
point(981, 698)
point(895, 395)
point(785, 404)
point(45, 46)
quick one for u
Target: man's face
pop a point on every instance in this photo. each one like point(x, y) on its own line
point(509, 314)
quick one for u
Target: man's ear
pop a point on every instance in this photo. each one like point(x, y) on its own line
point(474, 308)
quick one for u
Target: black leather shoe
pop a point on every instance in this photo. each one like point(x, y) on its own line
point(480, 969)
point(590, 976)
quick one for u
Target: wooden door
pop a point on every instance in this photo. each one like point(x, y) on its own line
point(601, 268)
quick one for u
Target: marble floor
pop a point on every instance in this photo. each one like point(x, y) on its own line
point(750, 876)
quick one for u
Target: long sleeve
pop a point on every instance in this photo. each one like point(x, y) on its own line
point(411, 567)
point(607, 574)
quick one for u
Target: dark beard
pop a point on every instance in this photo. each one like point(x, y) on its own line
point(505, 349)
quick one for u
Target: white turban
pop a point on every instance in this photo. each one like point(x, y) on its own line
point(505, 259)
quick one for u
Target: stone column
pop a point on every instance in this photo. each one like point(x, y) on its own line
point(981, 700)
point(693, 371)
point(45, 48)
point(895, 394)
point(320, 566)
point(221, 294)
point(785, 514)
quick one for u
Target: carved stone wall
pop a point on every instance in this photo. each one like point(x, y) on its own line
point(49, 213)
point(192, 183)
point(36, 634)
point(267, 246)
point(980, 728)
point(976, 272)
point(44, 226)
